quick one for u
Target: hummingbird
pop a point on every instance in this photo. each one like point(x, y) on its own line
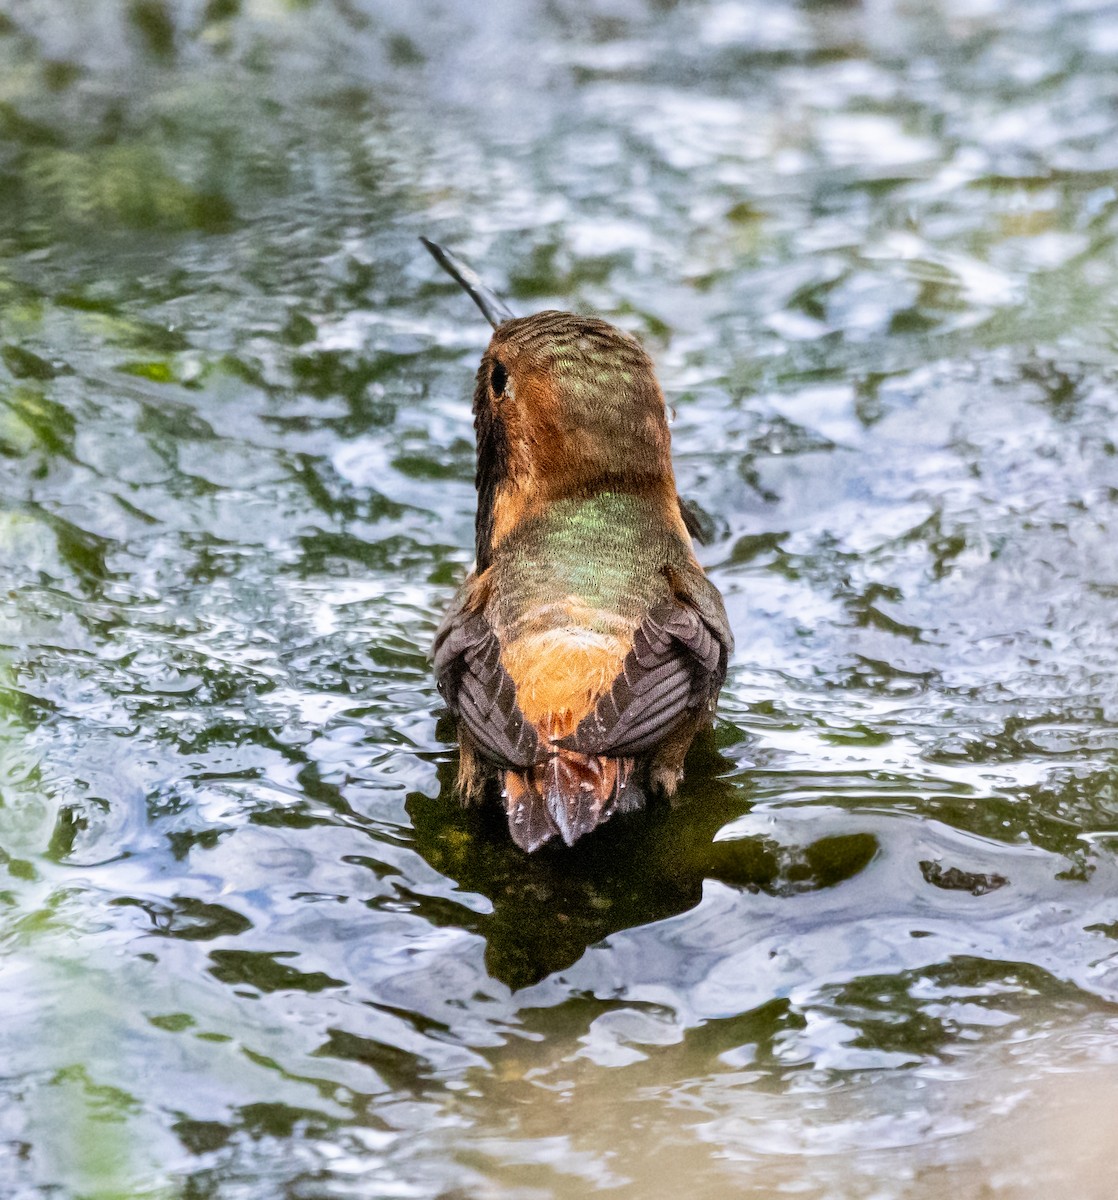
point(586, 647)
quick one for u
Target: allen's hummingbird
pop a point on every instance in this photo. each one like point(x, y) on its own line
point(587, 647)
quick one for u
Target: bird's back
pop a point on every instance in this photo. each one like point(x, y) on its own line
point(570, 589)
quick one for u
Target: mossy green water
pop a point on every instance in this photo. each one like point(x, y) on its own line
point(249, 945)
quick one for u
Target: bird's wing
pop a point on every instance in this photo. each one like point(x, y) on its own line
point(478, 689)
point(696, 521)
point(675, 667)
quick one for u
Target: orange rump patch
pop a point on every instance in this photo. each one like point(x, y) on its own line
point(560, 674)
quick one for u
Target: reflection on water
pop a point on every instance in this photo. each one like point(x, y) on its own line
point(547, 909)
point(250, 946)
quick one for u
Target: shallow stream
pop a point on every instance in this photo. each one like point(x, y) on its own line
point(250, 948)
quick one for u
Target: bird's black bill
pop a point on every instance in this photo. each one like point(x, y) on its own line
point(493, 308)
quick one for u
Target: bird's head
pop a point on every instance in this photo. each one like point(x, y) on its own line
point(565, 406)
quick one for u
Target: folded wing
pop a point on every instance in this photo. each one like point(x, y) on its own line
point(481, 692)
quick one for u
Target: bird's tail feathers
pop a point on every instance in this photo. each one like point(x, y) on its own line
point(568, 795)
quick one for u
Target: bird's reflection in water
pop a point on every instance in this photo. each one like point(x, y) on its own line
point(550, 906)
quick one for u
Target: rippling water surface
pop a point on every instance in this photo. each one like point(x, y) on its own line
point(250, 948)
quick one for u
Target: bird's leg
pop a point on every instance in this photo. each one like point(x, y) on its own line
point(665, 769)
point(472, 773)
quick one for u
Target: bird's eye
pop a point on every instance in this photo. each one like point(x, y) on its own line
point(499, 379)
